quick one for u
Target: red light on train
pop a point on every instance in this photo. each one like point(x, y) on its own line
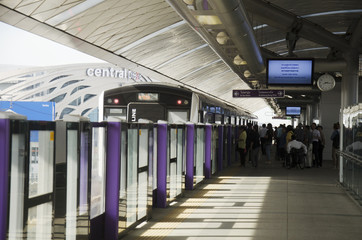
point(179, 102)
point(116, 101)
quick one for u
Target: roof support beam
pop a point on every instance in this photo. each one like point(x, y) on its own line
point(284, 20)
point(236, 23)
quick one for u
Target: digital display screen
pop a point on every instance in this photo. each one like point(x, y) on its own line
point(292, 111)
point(290, 72)
point(147, 96)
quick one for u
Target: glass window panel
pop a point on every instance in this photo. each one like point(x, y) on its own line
point(16, 211)
point(39, 223)
point(143, 147)
point(177, 116)
point(41, 163)
point(98, 172)
point(132, 177)
point(142, 194)
point(72, 177)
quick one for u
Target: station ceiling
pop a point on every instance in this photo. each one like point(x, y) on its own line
point(202, 44)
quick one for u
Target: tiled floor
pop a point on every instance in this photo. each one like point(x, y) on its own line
point(269, 202)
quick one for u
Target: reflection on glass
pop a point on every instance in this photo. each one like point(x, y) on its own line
point(16, 211)
point(72, 170)
point(98, 172)
point(41, 162)
point(132, 177)
point(40, 222)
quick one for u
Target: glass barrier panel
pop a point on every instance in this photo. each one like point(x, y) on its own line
point(132, 170)
point(180, 159)
point(39, 223)
point(83, 174)
point(142, 194)
point(123, 181)
point(72, 177)
point(173, 161)
point(154, 180)
point(200, 154)
point(214, 144)
point(98, 169)
point(41, 162)
point(17, 183)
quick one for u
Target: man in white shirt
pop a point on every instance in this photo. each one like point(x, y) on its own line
point(296, 145)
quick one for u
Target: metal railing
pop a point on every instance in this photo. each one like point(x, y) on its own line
point(352, 174)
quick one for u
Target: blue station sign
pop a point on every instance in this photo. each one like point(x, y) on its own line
point(250, 93)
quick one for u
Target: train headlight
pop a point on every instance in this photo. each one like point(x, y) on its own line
point(179, 102)
point(116, 101)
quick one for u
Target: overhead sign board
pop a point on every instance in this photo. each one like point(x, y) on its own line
point(250, 93)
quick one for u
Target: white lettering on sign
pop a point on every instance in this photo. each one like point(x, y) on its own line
point(134, 116)
point(113, 73)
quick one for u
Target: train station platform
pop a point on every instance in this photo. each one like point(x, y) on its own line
point(269, 202)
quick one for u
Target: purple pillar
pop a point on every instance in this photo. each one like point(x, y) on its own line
point(189, 178)
point(221, 148)
point(113, 176)
point(4, 175)
point(229, 145)
point(207, 151)
point(161, 165)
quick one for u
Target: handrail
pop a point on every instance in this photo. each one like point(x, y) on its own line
point(353, 157)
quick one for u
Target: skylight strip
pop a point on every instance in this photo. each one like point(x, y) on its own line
point(200, 68)
point(270, 43)
point(260, 26)
point(307, 49)
point(181, 55)
point(152, 35)
point(332, 13)
point(73, 12)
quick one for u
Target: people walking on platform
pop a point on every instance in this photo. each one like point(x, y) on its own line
point(249, 131)
point(255, 146)
point(268, 142)
point(316, 136)
point(262, 133)
point(282, 145)
point(289, 134)
point(242, 145)
point(299, 133)
point(335, 144)
point(322, 143)
point(308, 137)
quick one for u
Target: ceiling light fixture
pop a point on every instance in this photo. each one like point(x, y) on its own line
point(247, 73)
point(239, 61)
point(222, 38)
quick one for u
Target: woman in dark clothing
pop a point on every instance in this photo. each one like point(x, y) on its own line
point(255, 146)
